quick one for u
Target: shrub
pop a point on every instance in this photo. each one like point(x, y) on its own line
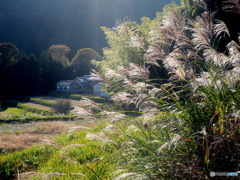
point(62, 106)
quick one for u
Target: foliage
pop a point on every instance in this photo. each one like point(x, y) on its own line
point(59, 52)
point(202, 89)
point(23, 75)
point(81, 64)
point(62, 106)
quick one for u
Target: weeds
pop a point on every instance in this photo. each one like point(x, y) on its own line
point(17, 142)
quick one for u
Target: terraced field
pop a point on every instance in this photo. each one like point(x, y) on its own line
point(37, 106)
point(41, 108)
point(54, 99)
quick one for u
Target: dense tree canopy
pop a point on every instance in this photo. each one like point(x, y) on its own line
point(26, 75)
point(81, 63)
point(59, 52)
point(31, 75)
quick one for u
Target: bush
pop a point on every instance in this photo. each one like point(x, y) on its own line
point(62, 106)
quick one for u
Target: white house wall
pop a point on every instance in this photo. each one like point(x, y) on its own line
point(97, 88)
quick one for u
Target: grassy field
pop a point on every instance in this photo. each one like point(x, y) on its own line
point(15, 138)
point(28, 131)
point(41, 108)
point(103, 148)
point(21, 143)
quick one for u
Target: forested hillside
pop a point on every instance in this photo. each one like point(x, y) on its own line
point(33, 26)
point(24, 75)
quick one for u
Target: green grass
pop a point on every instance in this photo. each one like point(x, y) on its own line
point(27, 108)
point(33, 109)
point(74, 154)
point(36, 100)
point(25, 160)
point(107, 148)
point(12, 112)
point(181, 142)
point(24, 113)
point(36, 118)
point(42, 102)
point(79, 97)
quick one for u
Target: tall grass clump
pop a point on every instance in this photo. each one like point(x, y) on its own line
point(201, 94)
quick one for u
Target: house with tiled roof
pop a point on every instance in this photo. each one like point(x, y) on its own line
point(88, 84)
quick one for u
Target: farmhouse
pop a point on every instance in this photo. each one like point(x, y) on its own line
point(88, 84)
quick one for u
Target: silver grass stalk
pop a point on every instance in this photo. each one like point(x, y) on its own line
point(175, 67)
point(220, 27)
point(218, 59)
point(123, 98)
point(234, 54)
point(232, 6)
point(141, 87)
point(138, 72)
point(110, 73)
point(140, 99)
point(204, 80)
point(137, 41)
point(132, 129)
point(152, 55)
